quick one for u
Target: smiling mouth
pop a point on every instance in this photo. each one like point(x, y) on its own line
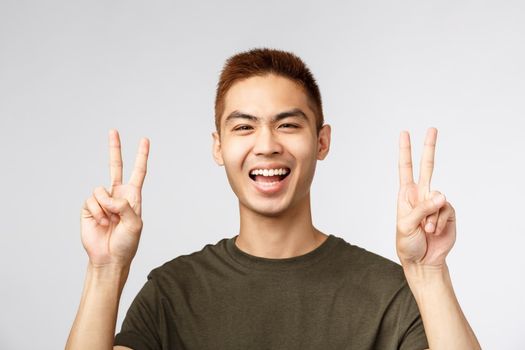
point(267, 178)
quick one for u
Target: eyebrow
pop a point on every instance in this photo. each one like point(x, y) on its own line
point(295, 112)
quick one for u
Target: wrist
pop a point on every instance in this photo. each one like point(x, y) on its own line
point(425, 272)
point(425, 280)
point(110, 275)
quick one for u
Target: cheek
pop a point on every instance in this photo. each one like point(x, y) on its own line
point(303, 151)
point(234, 154)
point(305, 155)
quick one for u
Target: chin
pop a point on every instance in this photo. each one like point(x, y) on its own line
point(271, 213)
point(269, 209)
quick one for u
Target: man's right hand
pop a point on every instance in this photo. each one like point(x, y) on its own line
point(111, 221)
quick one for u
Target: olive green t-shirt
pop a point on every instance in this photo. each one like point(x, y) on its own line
point(338, 296)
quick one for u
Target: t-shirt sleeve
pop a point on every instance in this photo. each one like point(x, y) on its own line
point(410, 326)
point(140, 327)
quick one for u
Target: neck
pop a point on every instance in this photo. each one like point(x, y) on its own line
point(277, 237)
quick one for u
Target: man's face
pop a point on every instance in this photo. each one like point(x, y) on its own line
point(269, 143)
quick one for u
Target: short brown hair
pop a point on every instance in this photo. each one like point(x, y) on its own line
point(263, 61)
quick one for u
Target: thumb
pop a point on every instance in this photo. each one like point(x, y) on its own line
point(119, 206)
point(421, 211)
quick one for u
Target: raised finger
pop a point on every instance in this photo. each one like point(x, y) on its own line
point(427, 160)
point(405, 159)
point(115, 158)
point(141, 164)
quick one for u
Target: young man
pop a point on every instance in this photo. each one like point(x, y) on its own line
point(280, 283)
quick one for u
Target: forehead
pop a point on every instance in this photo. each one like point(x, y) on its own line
point(265, 96)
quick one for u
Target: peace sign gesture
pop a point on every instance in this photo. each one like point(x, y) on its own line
point(426, 222)
point(111, 221)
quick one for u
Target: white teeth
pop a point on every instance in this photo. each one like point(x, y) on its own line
point(269, 172)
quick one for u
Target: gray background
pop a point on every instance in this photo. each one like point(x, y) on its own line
point(71, 70)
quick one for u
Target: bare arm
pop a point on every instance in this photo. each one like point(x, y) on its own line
point(445, 324)
point(94, 325)
point(110, 231)
point(426, 232)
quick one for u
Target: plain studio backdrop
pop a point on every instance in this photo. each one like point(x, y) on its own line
point(71, 70)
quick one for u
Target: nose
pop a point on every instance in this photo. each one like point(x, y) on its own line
point(266, 143)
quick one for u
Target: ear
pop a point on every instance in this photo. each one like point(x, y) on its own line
point(216, 150)
point(323, 141)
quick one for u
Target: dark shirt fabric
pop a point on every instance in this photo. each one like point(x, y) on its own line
point(337, 296)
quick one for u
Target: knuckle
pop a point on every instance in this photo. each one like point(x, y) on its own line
point(91, 202)
point(440, 225)
point(448, 213)
point(93, 207)
point(98, 190)
point(141, 169)
point(405, 164)
point(430, 145)
point(429, 205)
point(428, 163)
point(434, 194)
point(85, 205)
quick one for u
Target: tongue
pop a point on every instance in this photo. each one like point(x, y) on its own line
point(260, 178)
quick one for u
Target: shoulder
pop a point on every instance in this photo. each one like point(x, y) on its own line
point(187, 265)
point(369, 268)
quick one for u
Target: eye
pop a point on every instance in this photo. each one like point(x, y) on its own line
point(242, 128)
point(287, 126)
